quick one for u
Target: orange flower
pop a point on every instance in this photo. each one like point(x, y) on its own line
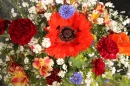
point(68, 36)
point(44, 65)
point(122, 41)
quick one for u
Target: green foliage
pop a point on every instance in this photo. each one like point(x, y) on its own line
point(78, 61)
point(125, 81)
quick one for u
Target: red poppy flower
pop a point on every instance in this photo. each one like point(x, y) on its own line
point(68, 36)
point(99, 66)
point(107, 48)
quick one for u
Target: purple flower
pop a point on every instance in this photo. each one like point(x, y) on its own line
point(76, 78)
point(66, 11)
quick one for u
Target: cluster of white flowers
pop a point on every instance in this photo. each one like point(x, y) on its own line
point(46, 42)
point(88, 79)
point(25, 4)
point(14, 14)
point(60, 61)
point(32, 10)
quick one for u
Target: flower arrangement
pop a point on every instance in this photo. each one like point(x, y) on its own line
point(64, 43)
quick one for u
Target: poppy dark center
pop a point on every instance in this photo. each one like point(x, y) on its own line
point(67, 34)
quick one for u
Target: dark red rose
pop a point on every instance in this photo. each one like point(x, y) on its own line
point(22, 30)
point(99, 66)
point(53, 77)
point(107, 48)
point(3, 25)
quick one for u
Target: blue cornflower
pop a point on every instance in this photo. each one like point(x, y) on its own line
point(66, 11)
point(76, 78)
point(107, 80)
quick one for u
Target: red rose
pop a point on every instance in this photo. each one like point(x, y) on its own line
point(22, 30)
point(3, 25)
point(107, 48)
point(99, 66)
point(53, 77)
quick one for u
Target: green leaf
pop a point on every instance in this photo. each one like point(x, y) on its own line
point(100, 80)
point(78, 62)
point(66, 82)
point(125, 81)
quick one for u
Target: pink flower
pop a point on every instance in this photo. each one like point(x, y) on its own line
point(44, 65)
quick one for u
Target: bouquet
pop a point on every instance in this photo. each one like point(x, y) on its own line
point(64, 43)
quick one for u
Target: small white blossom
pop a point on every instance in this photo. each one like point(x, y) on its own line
point(26, 60)
point(89, 74)
point(46, 42)
point(25, 4)
point(61, 74)
point(109, 4)
point(21, 48)
point(47, 2)
point(38, 76)
point(1, 61)
point(91, 55)
point(7, 58)
point(34, 1)
point(1, 45)
point(59, 1)
point(88, 81)
point(100, 20)
point(64, 67)
point(33, 41)
point(47, 15)
point(12, 10)
point(91, 2)
point(37, 48)
point(7, 39)
point(26, 67)
point(60, 61)
point(113, 70)
point(55, 83)
point(32, 10)
point(127, 21)
point(0, 76)
point(109, 63)
point(115, 26)
point(13, 13)
point(70, 63)
point(18, 51)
